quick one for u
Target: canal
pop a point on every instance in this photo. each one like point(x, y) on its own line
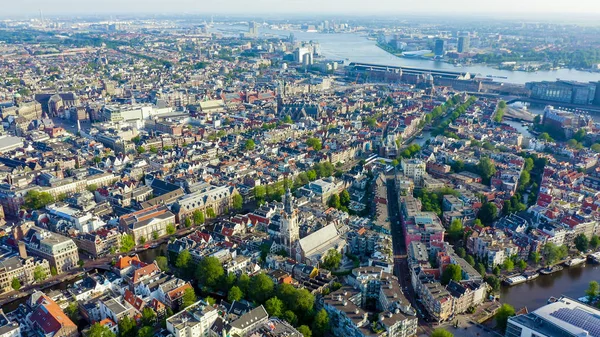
point(570, 282)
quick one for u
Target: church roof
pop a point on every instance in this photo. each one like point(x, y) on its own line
point(318, 238)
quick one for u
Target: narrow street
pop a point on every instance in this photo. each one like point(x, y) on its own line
point(400, 254)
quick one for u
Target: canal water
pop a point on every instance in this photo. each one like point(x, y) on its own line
point(352, 47)
point(571, 282)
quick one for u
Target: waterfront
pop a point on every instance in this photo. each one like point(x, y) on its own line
point(357, 48)
point(571, 282)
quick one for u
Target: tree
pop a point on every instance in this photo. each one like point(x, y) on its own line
point(72, 310)
point(249, 145)
point(305, 331)
point(502, 104)
point(345, 198)
point(210, 300)
point(508, 265)
point(288, 119)
point(502, 316)
point(148, 317)
point(15, 284)
point(594, 242)
point(39, 274)
point(146, 331)
point(235, 294)
point(522, 265)
point(92, 188)
point(486, 168)
point(439, 332)
point(581, 243)
point(97, 330)
point(535, 257)
point(140, 149)
point(127, 243)
point(171, 228)
point(127, 327)
point(183, 259)
point(162, 263)
point(189, 297)
point(525, 178)
point(290, 317)
point(261, 288)
point(480, 268)
point(243, 283)
point(456, 230)
point(274, 307)
point(142, 240)
point(546, 137)
point(36, 200)
point(528, 165)
point(461, 252)
point(321, 323)
point(210, 212)
point(493, 282)
point(332, 259)
point(155, 235)
point(452, 272)
point(334, 201)
point(238, 201)
point(209, 272)
point(592, 291)
point(470, 260)
point(553, 253)
point(487, 213)
point(315, 143)
point(304, 301)
point(311, 175)
point(198, 217)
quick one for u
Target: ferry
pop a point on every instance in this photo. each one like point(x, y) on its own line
point(551, 270)
point(594, 258)
point(575, 261)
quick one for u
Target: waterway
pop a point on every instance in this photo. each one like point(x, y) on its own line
point(352, 47)
point(570, 282)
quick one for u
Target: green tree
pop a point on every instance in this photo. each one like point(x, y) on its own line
point(249, 145)
point(235, 294)
point(553, 253)
point(493, 282)
point(209, 272)
point(480, 268)
point(502, 316)
point(581, 243)
point(140, 149)
point(332, 259)
point(127, 327)
point(72, 311)
point(304, 302)
point(274, 307)
point(238, 202)
point(261, 288)
point(146, 331)
point(594, 242)
point(15, 284)
point(290, 317)
point(198, 217)
point(508, 265)
point(486, 168)
point(311, 175)
point(210, 212)
point(92, 188)
point(321, 323)
point(187, 223)
point(148, 317)
point(522, 265)
point(189, 297)
point(36, 200)
point(183, 259)
point(456, 230)
point(345, 198)
point(546, 137)
point(288, 120)
point(502, 104)
point(452, 272)
point(155, 235)
point(127, 243)
point(440, 332)
point(334, 201)
point(39, 274)
point(142, 240)
point(528, 165)
point(461, 252)
point(592, 291)
point(315, 143)
point(470, 260)
point(305, 331)
point(162, 263)
point(97, 330)
point(487, 213)
point(525, 178)
point(171, 228)
point(210, 300)
point(243, 283)
point(535, 257)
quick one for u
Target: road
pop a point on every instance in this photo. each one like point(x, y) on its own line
point(400, 255)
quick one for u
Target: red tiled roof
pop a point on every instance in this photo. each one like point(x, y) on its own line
point(49, 316)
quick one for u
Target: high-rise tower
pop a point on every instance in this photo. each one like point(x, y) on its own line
point(289, 231)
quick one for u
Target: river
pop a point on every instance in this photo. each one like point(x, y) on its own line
point(570, 282)
point(357, 48)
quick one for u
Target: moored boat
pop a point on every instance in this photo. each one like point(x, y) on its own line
point(575, 261)
point(551, 270)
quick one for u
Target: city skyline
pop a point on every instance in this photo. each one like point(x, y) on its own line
point(271, 7)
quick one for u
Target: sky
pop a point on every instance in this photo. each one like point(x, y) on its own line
point(273, 7)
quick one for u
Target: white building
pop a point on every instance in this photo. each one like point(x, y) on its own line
point(193, 321)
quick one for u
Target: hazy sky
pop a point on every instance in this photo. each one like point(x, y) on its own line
point(50, 7)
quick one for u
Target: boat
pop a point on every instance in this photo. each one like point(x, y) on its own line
point(155, 245)
point(551, 270)
point(511, 281)
point(594, 258)
point(530, 275)
point(551, 300)
point(575, 261)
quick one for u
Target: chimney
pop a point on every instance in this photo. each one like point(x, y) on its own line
point(22, 250)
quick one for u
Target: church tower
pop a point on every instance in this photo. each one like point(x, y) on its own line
point(290, 232)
